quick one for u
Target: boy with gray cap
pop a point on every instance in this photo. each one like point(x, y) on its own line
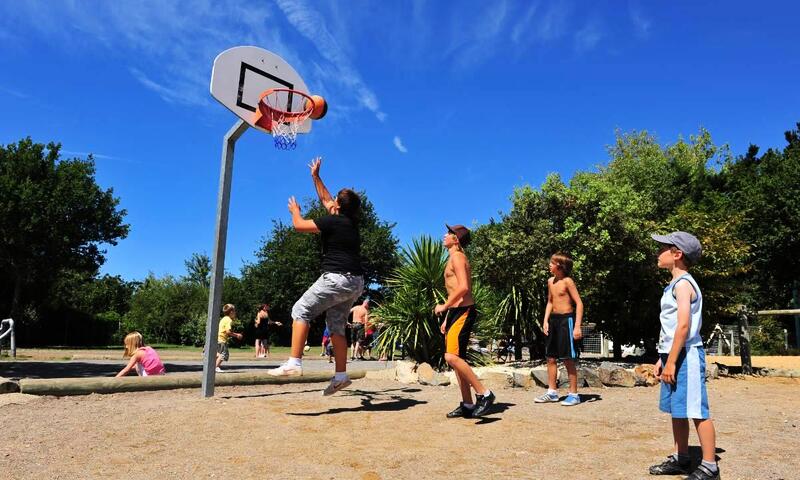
point(682, 362)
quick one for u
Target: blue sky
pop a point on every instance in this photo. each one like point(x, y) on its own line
point(437, 109)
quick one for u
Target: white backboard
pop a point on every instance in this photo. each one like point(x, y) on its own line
point(240, 74)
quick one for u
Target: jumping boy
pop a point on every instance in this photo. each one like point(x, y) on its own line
point(682, 360)
point(562, 326)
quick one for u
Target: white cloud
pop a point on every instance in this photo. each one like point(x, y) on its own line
point(71, 153)
point(310, 24)
point(399, 145)
point(14, 93)
point(641, 23)
point(588, 37)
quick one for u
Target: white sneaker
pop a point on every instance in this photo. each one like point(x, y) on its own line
point(286, 370)
point(218, 370)
point(335, 386)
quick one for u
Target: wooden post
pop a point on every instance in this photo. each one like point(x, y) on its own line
point(744, 342)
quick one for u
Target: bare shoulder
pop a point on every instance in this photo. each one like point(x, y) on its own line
point(568, 281)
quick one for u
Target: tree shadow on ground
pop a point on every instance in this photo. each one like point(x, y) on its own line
point(272, 394)
point(496, 408)
point(373, 401)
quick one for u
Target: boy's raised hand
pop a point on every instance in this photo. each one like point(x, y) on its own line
point(314, 166)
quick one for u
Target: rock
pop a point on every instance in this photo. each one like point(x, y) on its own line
point(539, 375)
point(590, 377)
point(428, 376)
point(451, 376)
point(645, 375)
point(522, 378)
point(424, 373)
point(406, 372)
point(723, 369)
point(8, 386)
point(712, 371)
point(615, 376)
point(496, 380)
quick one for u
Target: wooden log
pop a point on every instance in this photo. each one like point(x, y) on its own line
point(85, 386)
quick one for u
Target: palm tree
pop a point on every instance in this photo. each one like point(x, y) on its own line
point(415, 287)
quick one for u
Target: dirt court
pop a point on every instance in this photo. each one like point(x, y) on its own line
point(379, 429)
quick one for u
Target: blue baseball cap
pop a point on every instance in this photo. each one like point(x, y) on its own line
point(686, 243)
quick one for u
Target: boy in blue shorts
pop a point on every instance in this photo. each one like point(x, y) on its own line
point(682, 362)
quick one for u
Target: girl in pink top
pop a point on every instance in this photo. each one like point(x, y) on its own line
point(145, 359)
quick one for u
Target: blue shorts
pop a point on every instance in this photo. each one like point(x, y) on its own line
point(688, 397)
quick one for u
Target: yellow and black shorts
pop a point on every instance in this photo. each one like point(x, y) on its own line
point(457, 329)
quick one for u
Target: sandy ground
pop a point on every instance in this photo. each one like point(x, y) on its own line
point(791, 363)
point(384, 430)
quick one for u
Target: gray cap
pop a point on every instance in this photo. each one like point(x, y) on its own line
point(686, 243)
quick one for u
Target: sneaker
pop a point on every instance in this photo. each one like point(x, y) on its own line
point(703, 473)
point(546, 398)
point(483, 404)
point(335, 386)
point(461, 412)
point(571, 400)
point(218, 370)
point(670, 467)
point(286, 370)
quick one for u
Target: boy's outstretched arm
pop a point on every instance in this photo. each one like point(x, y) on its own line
point(577, 333)
point(322, 191)
point(683, 295)
point(298, 222)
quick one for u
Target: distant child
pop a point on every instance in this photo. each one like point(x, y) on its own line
point(682, 362)
point(326, 339)
point(262, 323)
point(562, 326)
point(225, 332)
point(143, 358)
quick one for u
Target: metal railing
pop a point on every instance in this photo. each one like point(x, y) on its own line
point(8, 333)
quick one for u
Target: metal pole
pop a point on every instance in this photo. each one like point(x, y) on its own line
point(218, 263)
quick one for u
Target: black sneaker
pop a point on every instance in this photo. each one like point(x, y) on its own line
point(461, 412)
point(483, 404)
point(670, 467)
point(703, 473)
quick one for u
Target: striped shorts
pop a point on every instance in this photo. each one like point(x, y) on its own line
point(687, 398)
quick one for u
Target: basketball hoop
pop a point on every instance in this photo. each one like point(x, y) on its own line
point(275, 115)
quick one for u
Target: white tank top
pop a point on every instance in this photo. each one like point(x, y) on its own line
point(669, 316)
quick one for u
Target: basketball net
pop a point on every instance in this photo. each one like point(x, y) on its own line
point(282, 124)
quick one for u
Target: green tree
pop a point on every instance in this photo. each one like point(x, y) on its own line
point(198, 269)
point(54, 218)
point(415, 287)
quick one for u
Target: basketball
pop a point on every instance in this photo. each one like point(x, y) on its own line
point(306, 348)
point(320, 107)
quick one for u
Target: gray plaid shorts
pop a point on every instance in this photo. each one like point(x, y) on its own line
point(333, 293)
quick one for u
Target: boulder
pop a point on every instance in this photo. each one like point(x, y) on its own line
point(539, 375)
point(8, 386)
point(425, 373)
point(428, 376)
point(712, 371)
point(406, 372)
point(590, 377)
point(496, 380)
point(615, 376)
point(645, 375)
point(522, 378)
